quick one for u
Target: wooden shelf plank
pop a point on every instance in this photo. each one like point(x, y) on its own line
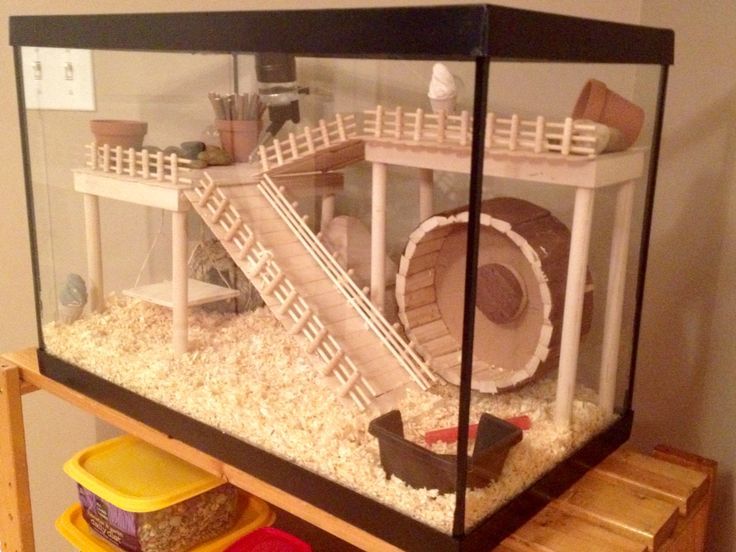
point(624, 509)
point(670, 482)
point(199, 293)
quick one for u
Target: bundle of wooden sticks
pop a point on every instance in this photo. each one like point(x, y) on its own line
point(237, 107)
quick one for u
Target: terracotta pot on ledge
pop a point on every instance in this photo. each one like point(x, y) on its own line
point(128, 134)
point(601, 105)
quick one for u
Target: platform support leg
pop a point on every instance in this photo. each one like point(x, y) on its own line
point(179, 278)
point(577, 270)
point(378, 236)
point(16, 521)
point(328, 211)
point(615, 296)
point(426, 194)
point(95, 286)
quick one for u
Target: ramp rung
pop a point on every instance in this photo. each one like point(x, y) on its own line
point(234, 229)
point(349, 384)
point(288, 302)
point(333, 363)
point(273, 284)
point(301, 322)
point(317, 341)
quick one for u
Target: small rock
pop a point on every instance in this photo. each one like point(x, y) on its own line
point(216, 156)
point(190, 150)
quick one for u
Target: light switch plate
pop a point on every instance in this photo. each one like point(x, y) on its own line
point(58, 78)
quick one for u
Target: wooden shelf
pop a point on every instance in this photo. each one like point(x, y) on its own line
point(630, 502)
point(199, 293)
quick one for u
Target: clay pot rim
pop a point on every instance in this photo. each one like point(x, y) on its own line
point(591, 101)
point(118, 126)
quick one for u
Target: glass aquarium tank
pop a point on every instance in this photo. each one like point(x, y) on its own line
point(388, 260)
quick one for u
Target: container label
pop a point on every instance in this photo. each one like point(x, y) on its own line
point(107, 520)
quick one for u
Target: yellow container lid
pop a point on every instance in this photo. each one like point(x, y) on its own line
point(137, 477)
point(254, 514)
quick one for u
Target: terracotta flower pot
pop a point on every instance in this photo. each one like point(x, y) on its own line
point(597, 103)
point(128, 134)
point(238, 137)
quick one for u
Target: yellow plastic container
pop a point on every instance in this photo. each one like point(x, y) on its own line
point(254, 514)
point(143, 499)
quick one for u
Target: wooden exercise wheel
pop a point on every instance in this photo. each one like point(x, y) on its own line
point(522, 270)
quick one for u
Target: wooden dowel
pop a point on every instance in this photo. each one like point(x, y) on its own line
point(324, 132)
point(131, 161)
point(573, 310)
point(106, 157)
point(399, 119)
point(118, 159)
point(310, 140)
point(333, 363)
point(174, 171)
point(464, 122)
point(378, 235)
point(94, 253)
point(274, 283)
point(379, 121)
point(426, 193)
point(340, 127)
point(301, 322)
point(418, 125)
point(145, 164)
point(514, 132)
point(179, 281)
point(292, 145)
point(317, 341)
point(441, 122)
point(567, 136)
point(615, 296)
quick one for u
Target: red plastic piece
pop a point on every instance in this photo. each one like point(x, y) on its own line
point(449, 434)
point(269, 539)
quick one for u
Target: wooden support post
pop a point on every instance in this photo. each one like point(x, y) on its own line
point(119, 160)
point(577, 270)
point(426, 194)
point(179, 279)
point(16, 522)
point(328, 211)
point(378, 236)
point(615, 296)
point(95, 285)
point(131, 162)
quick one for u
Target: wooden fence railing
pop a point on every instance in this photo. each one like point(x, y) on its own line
point(142, 164)
point(308, 141)
point(510, 133)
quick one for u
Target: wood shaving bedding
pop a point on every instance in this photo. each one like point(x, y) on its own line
point(246, 376)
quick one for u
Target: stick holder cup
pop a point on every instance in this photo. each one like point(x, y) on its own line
point(238, 137)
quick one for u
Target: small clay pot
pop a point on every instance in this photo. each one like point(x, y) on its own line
point(597, 103)
point(238, 137)
point(128, 134)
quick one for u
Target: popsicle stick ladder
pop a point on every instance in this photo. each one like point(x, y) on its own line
point(561, 153)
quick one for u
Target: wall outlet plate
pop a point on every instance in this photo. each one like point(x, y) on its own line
point(58, 78)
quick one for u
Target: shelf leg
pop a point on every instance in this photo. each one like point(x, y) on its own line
point(615, 296)
point(378, 236)
point(577, 269)
point(328, 211)
point(426, 194)
point(95, 292)
point(16, 521)
point(179, 279)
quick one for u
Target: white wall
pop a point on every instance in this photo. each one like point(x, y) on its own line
point(687, 339)
point(686, 381)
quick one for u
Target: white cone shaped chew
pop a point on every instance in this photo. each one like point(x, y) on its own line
point(522, 269)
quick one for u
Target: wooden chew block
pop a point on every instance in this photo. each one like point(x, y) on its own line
point(555, 529)
point(677, 484)
point(623, 509)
